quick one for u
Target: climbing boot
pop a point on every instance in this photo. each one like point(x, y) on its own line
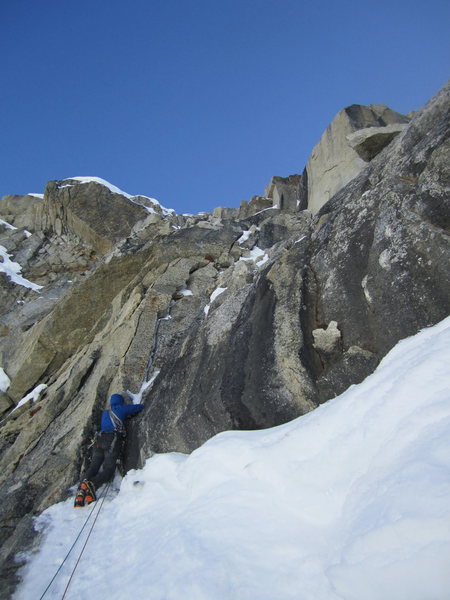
point(89, 491)
point(80, 498)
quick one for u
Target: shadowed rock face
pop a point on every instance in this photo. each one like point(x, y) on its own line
point(245, 318)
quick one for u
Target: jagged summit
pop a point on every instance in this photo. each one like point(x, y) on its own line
point(243, 318)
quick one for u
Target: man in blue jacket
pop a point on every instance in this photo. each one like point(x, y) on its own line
point(107, 449)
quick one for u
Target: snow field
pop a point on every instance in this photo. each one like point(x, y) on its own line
point(351, 501)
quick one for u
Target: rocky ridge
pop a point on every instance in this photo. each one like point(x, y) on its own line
point(240, 318)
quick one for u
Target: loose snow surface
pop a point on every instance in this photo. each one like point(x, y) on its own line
point(351, 501)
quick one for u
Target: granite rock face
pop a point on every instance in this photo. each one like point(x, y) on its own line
point(91, 211)
point(287, 193)
point(240, 319)
point(23, 212)
point(335, 161)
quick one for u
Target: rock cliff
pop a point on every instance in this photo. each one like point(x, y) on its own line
point(240, 319)
point(355, 136)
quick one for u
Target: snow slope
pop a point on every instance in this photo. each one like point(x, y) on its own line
point(351, 501)
point(13, 270)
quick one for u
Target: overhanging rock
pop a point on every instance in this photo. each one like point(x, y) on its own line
point(370, 141)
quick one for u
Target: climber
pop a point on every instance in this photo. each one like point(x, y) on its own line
point(108, 446)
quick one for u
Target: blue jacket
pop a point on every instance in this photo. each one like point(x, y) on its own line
point(120, 409)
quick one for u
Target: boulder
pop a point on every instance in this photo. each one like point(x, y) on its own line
point(327, 341)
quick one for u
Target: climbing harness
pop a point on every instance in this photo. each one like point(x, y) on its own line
point(100, 505)
point(119, 428)
point(117, 422)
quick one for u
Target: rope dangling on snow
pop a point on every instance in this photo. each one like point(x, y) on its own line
point(74, 544)
point(86, 541)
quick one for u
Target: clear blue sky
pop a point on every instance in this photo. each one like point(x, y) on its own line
point(199, 102)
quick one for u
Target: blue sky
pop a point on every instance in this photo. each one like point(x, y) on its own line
point(198, 103)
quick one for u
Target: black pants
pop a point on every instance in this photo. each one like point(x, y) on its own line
point(107, 449)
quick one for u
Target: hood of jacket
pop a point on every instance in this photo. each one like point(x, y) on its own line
point(116, 400)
